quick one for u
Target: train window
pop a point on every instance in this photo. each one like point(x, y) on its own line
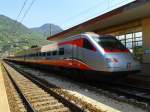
point(87, 44)
point(43, 53)
point(61, 51)
point(37, 54)
point(40, 54)
point(30, 55)
point(54, 52)
point(110, 43)
point(33, 55)
point(48, 53)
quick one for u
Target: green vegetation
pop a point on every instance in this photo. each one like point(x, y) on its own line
point(138, 53)
point(15, 37)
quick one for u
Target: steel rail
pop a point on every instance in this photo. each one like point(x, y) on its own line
point(45, 86)
point(27, 104)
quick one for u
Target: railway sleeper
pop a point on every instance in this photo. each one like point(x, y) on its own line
point(48, 107)
point(34, 94)
point(37, 97)
point(53, 105)
point(46, 103)
point(58, 110)
point(15, 102)
point(42, 99)
point(37, 91)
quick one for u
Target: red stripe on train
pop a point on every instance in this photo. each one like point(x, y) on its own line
point(115, 50)
point(68, 63)
point(77, 42)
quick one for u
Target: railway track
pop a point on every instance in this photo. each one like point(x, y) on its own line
point(36, 97)
point(129, 91)
point(140, 80)
point(141, 95)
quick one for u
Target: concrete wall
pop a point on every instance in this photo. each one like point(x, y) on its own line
point(146, 39)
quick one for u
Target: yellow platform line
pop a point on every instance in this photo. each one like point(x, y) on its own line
point(4, 106)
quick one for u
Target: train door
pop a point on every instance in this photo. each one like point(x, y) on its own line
point(77, 52)
point(89, 56)
point(74, 55)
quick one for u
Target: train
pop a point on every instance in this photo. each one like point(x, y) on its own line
point(87, 51)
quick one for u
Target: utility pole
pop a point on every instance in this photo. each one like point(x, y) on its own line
point(50, 30)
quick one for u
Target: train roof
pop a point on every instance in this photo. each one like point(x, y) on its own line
point(49, 47)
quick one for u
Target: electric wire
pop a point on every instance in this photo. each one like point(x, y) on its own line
point(83, 12)
point(20, 12)
point(108, 8)
point(25, 14)
point(27, 11)
point(23, 6)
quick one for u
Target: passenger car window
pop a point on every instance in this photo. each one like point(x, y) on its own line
point(48, 53)
point(40, 54)
point(54, 53)
point(37, 54)
point(61, 51)
point(44, 54)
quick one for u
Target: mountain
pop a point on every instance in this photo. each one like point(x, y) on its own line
point(15, 37)
point(47, 29)
point(9, 26)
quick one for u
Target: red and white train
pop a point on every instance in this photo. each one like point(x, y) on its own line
point(87, 51)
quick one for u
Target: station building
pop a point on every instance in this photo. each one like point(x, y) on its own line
point(129, 23)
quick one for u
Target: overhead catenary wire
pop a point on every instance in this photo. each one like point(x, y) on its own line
point(23, 6)
point(84, 12)
point(108, 8)
point(103, 11)
point(20, 12)
point(25, 13)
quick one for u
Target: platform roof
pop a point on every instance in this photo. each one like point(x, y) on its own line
point(136, 10)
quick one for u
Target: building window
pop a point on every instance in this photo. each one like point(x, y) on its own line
point(131, 40)
point(138, 39)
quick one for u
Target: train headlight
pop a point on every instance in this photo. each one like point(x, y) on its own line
point(111, 60)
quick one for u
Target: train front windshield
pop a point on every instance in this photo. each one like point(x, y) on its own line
point(109, 43)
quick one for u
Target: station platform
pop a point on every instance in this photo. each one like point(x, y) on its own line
point(4, 106)
point(145, 69)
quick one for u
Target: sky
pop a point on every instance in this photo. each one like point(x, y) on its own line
point(64, 13)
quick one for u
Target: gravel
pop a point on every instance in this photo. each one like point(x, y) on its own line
point(88, 95)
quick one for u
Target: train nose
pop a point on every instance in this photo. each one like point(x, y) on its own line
point(111, 60)
point(122, 63)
